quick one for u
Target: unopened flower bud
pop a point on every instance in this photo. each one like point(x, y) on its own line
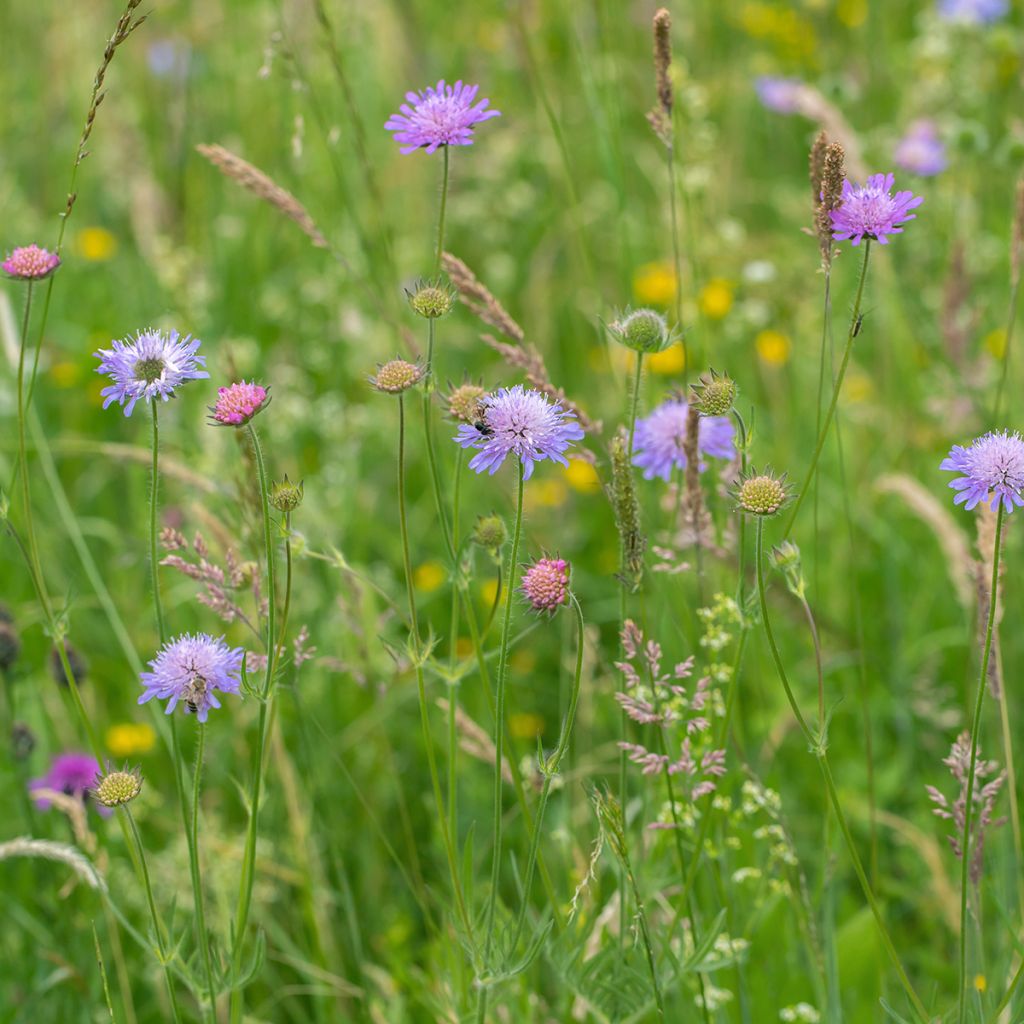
point(490, 533)
point(286, 496)
point(119, 787)
point(643, 330)
point(397, 376)
point(714, 395)
point(76, 662)
point(431, 299)
point(762, 494)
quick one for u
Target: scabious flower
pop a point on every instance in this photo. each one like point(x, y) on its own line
point(431, 299)
point(464, 402)
point(973, 12)
point(762, 494)
point(545, 584)
point(238, 403)
point(518, 421)
point(441, 115)
point(992, 470)
point(191, 669)
point(921, 151)
point(114, 788)
point(872, 211)
point(73, 774)
point(397, 376)
point(30, 263)
point(658, 439)
point(149, 366)
point(783, 95)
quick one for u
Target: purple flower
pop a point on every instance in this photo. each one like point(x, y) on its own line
point(545, 584)
point(921, 151)
point(973, 12)
point(783, 95)
point(441, 115)
point(658, 440)
point(148, 366)
point(992, 468)
point(872, 211)
point(518, 421)
point(73, 774)
point(190, 669)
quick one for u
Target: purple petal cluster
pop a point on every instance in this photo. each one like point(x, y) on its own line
point(973, 12)
point(658, 440)
point(783, 95)
point(522, 422)
point(72, 773)
point(441, 115)
point(991, 469)
point(191, 669)
point(921, 151)
point(872, 211)
point(149, 366)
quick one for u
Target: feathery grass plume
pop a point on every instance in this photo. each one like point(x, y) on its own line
point(626, 507)
point(828, 195)
point(263, 187)
point(479, 299)
point(986, 527)
point(660, 117)
point(693, 497)
point(63, 853)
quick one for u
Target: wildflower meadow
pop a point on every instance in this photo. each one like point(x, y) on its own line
point(509, 512)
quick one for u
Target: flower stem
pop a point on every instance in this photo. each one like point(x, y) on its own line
point(677, 260)
point(154, 494)
point(499, 737)
point(819, 751)
point(197, 883)
point(836, 388)
point(453, 655)
point(441, 214)
point(1011, 323)
point(965, 850)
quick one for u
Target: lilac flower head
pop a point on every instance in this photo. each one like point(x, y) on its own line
point(149, 366)
point(545, 584)
point(30, 263)
point(992, 469)
point(872, 211)
point(658, 440)
point(783, 95)
point(973, 12)
point(518, 421)
point(921, 151)
point(190, 669)
point(441, 115)
point(71, 773)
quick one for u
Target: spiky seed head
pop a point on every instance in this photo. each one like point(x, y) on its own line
point(643, 330)
point(286, 496)
point(714, 394)
point(119, 787)
point(397, 376)
point(464, 402)
point(490, 533)
point(762, 494)
point(431, 299)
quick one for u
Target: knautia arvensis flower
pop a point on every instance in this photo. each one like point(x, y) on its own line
point(397, 376)
point(286, 496)
point(660, 438)
point(464, 402)
point(973, 12)
point(872, 211)
point(762, 494)
point(431, 299)
point(642, 330)
point(238, 403)
point(545, 584)
point(991, 469)
point(714, 394)
point(71, 774)
point(521, 422)
point(114, 788)
point(441, 115)
point(192, 669)
point(921, 150)
point(30, 263)
point(149, 366)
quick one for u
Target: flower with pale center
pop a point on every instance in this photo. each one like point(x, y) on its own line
point(991, 469)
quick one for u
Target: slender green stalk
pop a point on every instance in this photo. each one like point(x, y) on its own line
point(965, 849)
point(499, 739)
point(1009, 994)
point(836, 388)
point(26, 490)
point(266, 696)
point(551, 769)
point(453, 656)
point(677, 259)
point(441, 214)
point(645, 935)
point(154, 493)
point(204, 938)
point(822, 755)
point(1011, 323)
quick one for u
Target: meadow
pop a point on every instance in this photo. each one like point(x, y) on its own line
point(548, 559)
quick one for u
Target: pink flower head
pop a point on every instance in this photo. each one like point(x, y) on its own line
point(30, 263)
point(546, 584)
point(238, 403)
point(441, 115)
point(872, 211)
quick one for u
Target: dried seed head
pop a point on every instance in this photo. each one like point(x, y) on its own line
point(545, 584)
point(490, 533)
point(464, 402)
point(286, 496)
point(626, 507)
point(762, 494)
point(817, 166)
point(397, 376)
point(116, 788)
point(832, 176)
point(642, 330)
point(431, 299)
point(714, 394)
point(661, 117)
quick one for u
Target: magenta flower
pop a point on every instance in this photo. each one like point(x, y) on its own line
point(992, 470)
point(545, 584)
point(30, 263)
point(518, 421)
point(72, 774)
point(191, 669)
point(441, 115)
point(921, 151)
point(659, 438)
point(872, 211)
point(238, 403)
